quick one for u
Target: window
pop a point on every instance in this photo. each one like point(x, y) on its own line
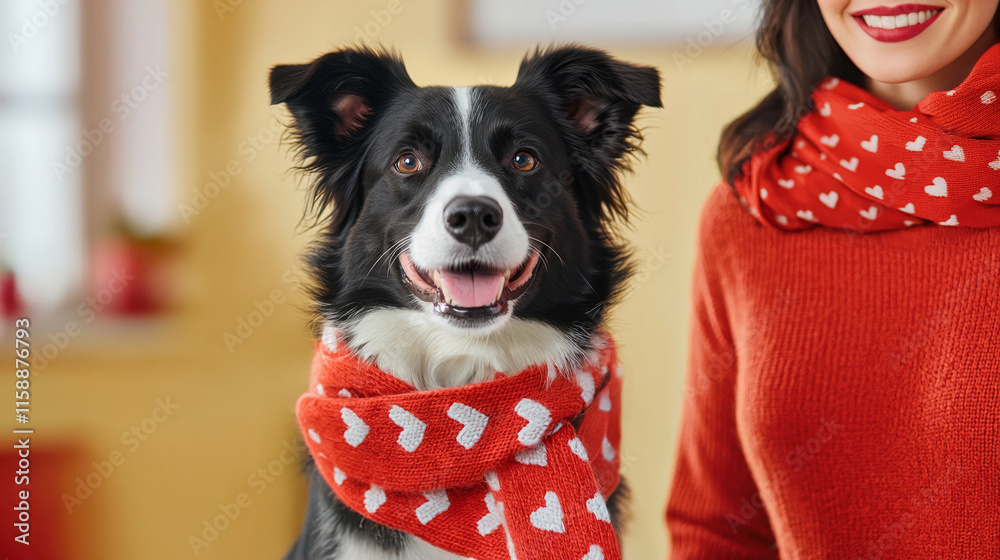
point(85, 150)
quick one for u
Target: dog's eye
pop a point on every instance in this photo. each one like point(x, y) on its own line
point(408, 164)
point(523, 161)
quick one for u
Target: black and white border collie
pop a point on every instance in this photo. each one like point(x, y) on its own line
point(465, 230)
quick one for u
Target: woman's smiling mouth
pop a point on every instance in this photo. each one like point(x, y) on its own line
point(897, 23)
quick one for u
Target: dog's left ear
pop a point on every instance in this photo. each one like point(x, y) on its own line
point(597, 97)
point(334, 101)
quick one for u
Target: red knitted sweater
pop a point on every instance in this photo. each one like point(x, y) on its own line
point(843, 396)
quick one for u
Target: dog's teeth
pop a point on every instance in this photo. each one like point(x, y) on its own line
point(500, 291)
point(506, 274)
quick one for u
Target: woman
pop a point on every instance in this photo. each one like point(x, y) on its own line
point(843, 398)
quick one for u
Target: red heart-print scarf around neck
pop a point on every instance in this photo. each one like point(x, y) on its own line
point(517, 467)
point(857, 163)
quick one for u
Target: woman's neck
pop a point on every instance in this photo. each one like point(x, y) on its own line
point(905, 96)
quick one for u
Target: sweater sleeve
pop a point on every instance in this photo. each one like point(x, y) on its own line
point(714, 509)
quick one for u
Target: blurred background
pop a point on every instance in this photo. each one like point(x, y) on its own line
point(150, 229)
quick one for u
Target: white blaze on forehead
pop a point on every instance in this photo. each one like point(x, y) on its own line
point(463, 102)
point(431, 245)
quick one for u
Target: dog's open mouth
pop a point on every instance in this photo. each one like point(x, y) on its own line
point(472, 291)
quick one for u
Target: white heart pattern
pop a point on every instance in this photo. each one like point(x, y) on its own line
point(607, 451)
point(831, 140)
point(605, 402)
point(489, 522)
point(473, 423)
point(983, 195)
point(909, 209)
point(437, 502)
point(536, 455)
point(374, 498)
point(357, 430)
point(917, 145)
point(338, 476)
point(538, 418)
point(586, 383)
point(856, 106)
point(763, 194)
point(576, 446)
point(786, 183)
point(988, 97)
point(599, 508)
point(938, 188)
point(492, 480)
point(851, 165)
point(952, 221)
point(898, 172)
point(413, 428)
point(870, 214)
point(956, 153)
point(783, 220)
point(314, 436)
point(875, 191)
point(829, 199)
point(550, 516)
point(803, 169)
point(806, 215)
point(870, 145)
point(825, 110)
point(595, 553)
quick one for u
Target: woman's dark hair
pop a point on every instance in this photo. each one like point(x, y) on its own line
point(797, 45)
point(795, 42)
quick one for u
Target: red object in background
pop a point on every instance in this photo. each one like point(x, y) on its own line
point(50, 537)
point(10, 301)
point(128, 277)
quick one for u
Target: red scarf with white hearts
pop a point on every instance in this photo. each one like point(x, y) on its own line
point(514, 468)
point(857, 163)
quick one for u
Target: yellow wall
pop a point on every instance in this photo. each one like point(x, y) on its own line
point(236, 409)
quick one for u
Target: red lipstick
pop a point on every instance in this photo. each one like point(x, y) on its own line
point(892, 24)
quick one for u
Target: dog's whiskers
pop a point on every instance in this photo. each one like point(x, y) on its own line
point(399, 244)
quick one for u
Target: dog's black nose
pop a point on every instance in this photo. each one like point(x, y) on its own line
point(473, 220)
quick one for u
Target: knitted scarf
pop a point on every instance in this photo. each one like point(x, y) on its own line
point(517, 467)
point(857, 163)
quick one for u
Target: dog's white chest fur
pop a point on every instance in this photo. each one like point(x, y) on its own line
point(413, 346)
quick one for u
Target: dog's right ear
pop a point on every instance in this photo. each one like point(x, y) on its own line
point(334, 100)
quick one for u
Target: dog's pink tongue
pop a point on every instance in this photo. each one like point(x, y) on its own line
point(472, 289)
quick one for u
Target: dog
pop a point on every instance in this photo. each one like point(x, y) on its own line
point(464, 230)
